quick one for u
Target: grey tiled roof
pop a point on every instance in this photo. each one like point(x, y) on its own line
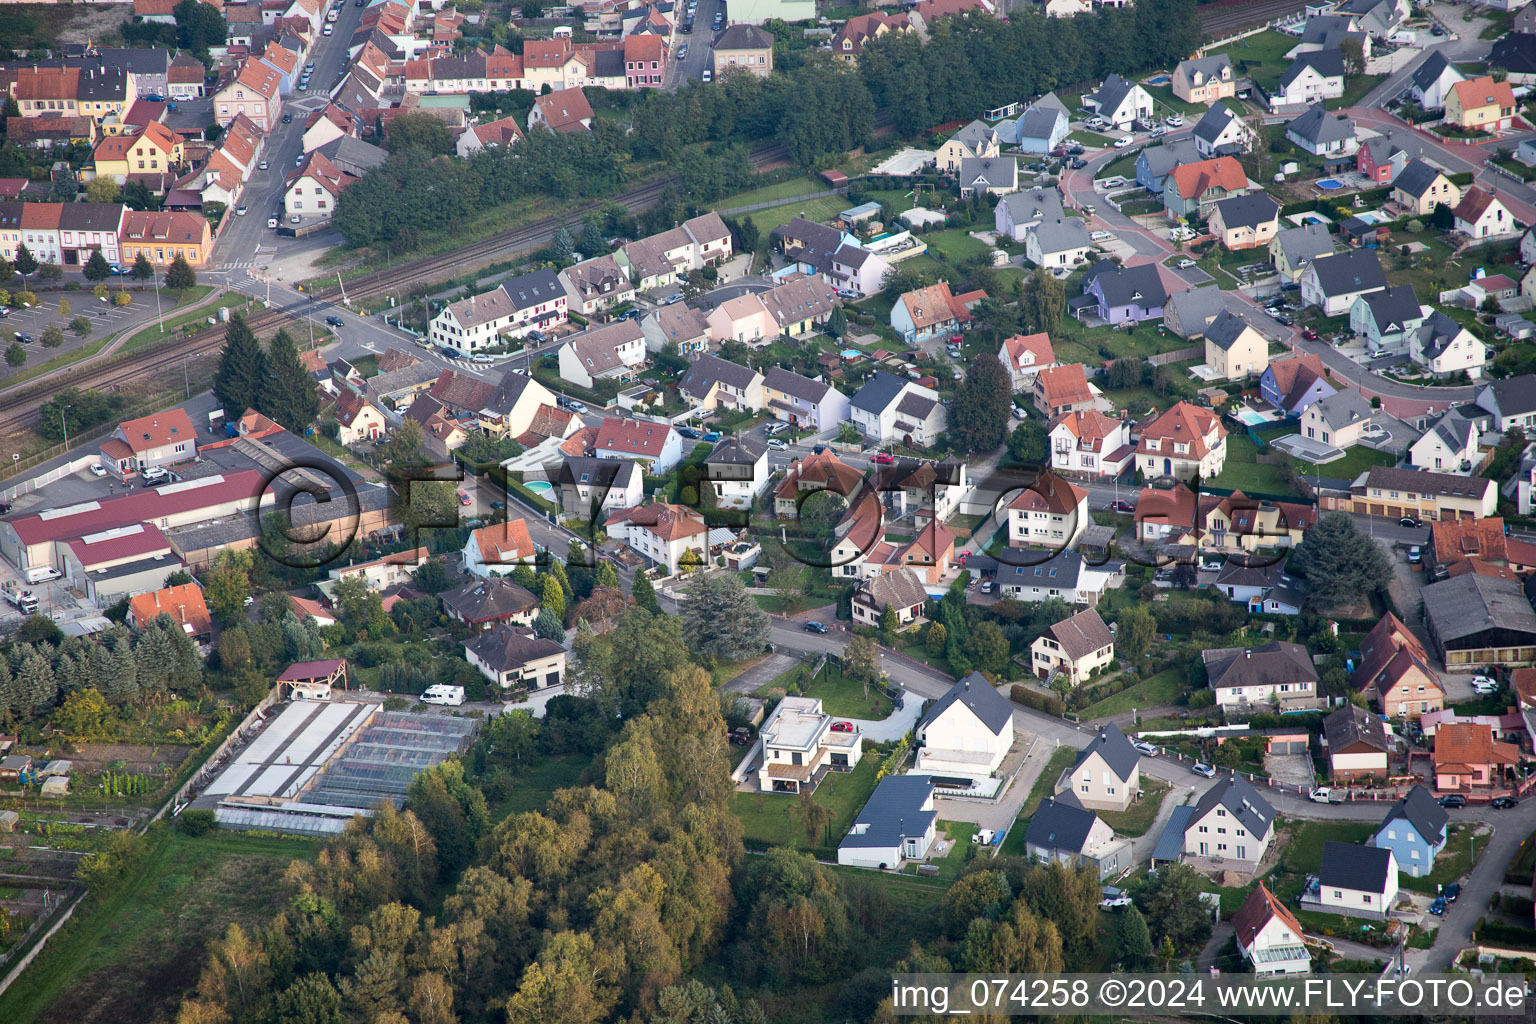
point(989, 706)
point(1112, 745)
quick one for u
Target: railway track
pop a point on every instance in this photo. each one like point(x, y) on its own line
point(1227, 16)
point(22, 413)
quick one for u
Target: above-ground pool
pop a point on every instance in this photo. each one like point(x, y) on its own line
point(1330, 184)
point(1159, 80)
point(539, 486)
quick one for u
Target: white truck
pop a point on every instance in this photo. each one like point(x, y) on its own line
point(1325, 795)
point(24, 600)
point(441, 693)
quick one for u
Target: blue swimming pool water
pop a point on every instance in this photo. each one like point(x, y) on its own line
point(1330, 184)
point(1159, 80)
point(540, 486)
point(1252, 418)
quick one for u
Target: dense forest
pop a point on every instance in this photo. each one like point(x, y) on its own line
point(817, 110)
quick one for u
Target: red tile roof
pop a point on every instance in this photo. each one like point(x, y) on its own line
point(182, 603)
point(1469, 745)
point(1182, 423)
point(1256, 911)
point(1050, 493)
point(1224, 172)
point(158, 430)
point(1038, 344)
point(632, 437)
point(1064, 385)
point(669, 522)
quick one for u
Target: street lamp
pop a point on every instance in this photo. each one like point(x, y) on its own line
point(63, 419)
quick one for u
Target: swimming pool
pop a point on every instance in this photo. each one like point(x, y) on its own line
point(1252, 418)
point(539, 486)
point(1329, 184)
point(1159, 80)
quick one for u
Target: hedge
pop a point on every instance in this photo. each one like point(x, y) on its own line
point(1496, 933)
point(1039, 701)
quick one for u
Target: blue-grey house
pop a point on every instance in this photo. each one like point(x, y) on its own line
point(1037, 130)
point(1121, 294)
point(1414, 830)
point(1155, 163)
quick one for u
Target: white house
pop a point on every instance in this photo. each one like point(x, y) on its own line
point(1053, 513)
point(1480, 214)
point(801, 743)
point(603, 353)
point(897, 824)
point(509, 656)
point(1063, 830)
point(890, 408)
point(1448, 445)
point(1313, 78)
point(522, 304)
point(607, 485)
point(655, 445)
point(498, 549)
point(1360, 881)
point(1245, 676)
point(1058, 243)
point(967, 732)
point(737, 471)
point(1120, 102)
point(1065, 575)
point(1221, 133)
point(1444, 347)
point(162, 439)
point(1333, 282)
point(1090, 444)
point(1269, 936)
point(1323, 134)
point(661, 532)
point(1433, 79)
point(1232, 823)
point(1017, 212)
point(1024, 356)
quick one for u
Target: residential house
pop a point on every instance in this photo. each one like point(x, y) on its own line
point(332, 123)
point(1058, 243)
point(1090, 444)
point(966, 733)
point(596, 284)
point(1480, 104)
point(1205, 79)
point(313, 189)
point(1038, 130)
point(1018, 212)
point(498, 549)
point(1063, 574)
point(1061, 389)
point(976, 141)
point(1062, 830)
point(1052, 513)
point(745, 318)
point(1269, 937)
point(162, 236)
point(799, 306)
point(564, 111)
point(1381, 159)
point(928, 312)
point(1191, 311)
point(184, 604)
point(1425, 496)
point(1480, 214)
point(1024, 356)
point(357, 419)
point(680, 325)
point(1233, 349)
point(1121, 294)
point(990, 176)
point(1293, 248)
point(1432, 81)
point(1340, 419)
point(1415, 831)
point(1183, 441)
point(1449, 445)
point(255, 92)
point(161, 439)
point(1357, 745)
point(931, 490)
point(185, 77)
point(531, 301)
point(743, 48)
point(1120, 102)
point(810, 245)
point(1474, 620)
point(515, 656)
point(817, 472)
point(1219, 132)
point(1335, 281)
point(1330, 136)
point(860, 29)
point(1192, 189)
point(737, 471)
point(1231, 823)
point(1357, 880)
point(1155, 163)
point(858, 270)
point(1420, 187)
point(603, 353)
point(1512, 402)
point(890, 408)
point(1245, 222)
point(1079, 648)
point(670, 536)
point(153, 150)
point(1312, 78)
point(1238, 523)
point(645, 60)
point(1279, 672)
point(591, 486)
point(1467, 757)
point(1387, 318)
point(900, 590)
point(812, 404)
point(656, 446)
point(896, 825)
point(1261, 583)
point(482, 604)
point(1454, 542)
point(711, 383)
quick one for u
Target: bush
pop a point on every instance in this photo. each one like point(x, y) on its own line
point(197, 822)
point(1039, 701)
point(1497, 933)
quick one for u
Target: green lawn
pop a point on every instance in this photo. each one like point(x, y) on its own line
point(1137, 818)
point(1455, 861)
point(1260, 56)
point(956, 245)
point(1354, 89)
point(772, 193)
point(152, 335)
point(536, 784)
point(771, 818)
point(823, 209)
point(1093, 139)
point(1305, 852)
point(955, 860)
point(1241, 472)
point(841, 697)
point(1152, 692)
point(1124, 166)
point(1165, 102)
point(142, 944)
point(1061, 759)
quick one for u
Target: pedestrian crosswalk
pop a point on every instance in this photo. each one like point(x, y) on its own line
point(238, 265)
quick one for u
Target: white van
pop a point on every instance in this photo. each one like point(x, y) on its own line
point(42, 574)
point(443, 694)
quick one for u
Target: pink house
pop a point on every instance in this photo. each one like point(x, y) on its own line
point(645, 61)
point(254, 92)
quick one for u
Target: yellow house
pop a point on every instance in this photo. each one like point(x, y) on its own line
point(1480, 103)
point(1419, 188)
point(1245, 222)
point(1240, 523)
point(1076, 647)
point(155, 150)
point(1233, 349)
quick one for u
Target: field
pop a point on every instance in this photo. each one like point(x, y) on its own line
point(534, 785)
point(1152, 692)
point(1260, 57)
point(781, 192)
point(824, 209)
point(1305, 852)
point(142, 944)
point(956, 245)
point(1241, 472)
point(770, 818)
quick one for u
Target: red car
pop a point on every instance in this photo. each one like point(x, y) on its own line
point(1310, 334)
point(464, 499)
point(1059, 151)
point(960, 560)
point(842, 727)
point(1124, 506)
point(883, 458)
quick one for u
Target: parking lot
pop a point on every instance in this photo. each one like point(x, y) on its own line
point(28, 325)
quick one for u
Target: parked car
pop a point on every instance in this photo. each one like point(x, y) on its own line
point(1174, 121)
point(672, 299)
point(1078, 163)
point(24, 337)
point(778, 444)
point(287, 119)
point(712, 436)
point(1408, 521)
point(1099, 236)
point(1450, 892)
point(1415, 555)
point(1438, 906)
point(815, 627)
point(1145, 748)
point(1115, 903)
point(263, 166)
point(1310, 334)
point(578, 407)
point(1075, 150)
point(465, 499)
point(842, 727)
point(708, 75)
point(682, 52)
point(97, 469)
point(1203, 770)
point(882, 458)
point(1124, 505)
point(242, 210)
point(1096, 122)
point(1283, 319)
point(1185, 264)
point(1158, 131)
point(987, 586)
point(688, 432)
point(1504, 803)
point(1453, 800)
point(481, 357)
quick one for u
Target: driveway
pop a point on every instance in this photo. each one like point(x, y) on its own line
point(761, 674)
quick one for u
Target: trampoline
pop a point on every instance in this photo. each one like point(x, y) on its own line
point(1330, 184)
